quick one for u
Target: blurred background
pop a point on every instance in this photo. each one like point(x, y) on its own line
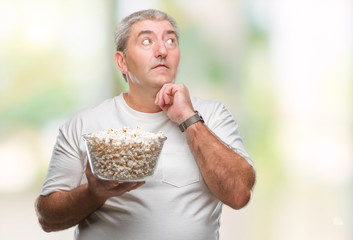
point(284, 68)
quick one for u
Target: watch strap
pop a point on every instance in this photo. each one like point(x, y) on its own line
point(188, 122)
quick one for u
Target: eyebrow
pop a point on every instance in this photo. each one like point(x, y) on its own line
point(149, 32)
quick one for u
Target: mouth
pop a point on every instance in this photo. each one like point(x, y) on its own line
point(161, 65)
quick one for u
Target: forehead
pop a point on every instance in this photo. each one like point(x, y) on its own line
point(155, 26)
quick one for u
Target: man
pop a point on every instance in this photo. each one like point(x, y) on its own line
point(203, 163)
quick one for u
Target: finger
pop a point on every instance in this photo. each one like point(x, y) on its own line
point(128, 186)
point(137, 185)
point(88, 170)
point(159, 97)
point(167, 96)
point(110, 184)
point(88, 167)
point(125, 186)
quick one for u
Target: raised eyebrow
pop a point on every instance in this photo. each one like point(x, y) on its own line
point(148, 32)
point(171, 32)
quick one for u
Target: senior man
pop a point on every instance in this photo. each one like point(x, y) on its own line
point(203, 164)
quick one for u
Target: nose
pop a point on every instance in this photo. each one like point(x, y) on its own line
point(161, 50)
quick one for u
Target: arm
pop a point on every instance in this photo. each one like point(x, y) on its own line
point(64, 209)
point(228, 176)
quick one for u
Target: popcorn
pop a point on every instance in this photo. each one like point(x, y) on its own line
point(124, 154)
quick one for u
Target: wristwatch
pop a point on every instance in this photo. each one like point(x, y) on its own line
point(188, 122)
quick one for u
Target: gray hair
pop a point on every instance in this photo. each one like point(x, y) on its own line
point(122, 32)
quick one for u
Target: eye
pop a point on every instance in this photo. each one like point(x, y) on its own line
point(146, 42)
point(170, 41)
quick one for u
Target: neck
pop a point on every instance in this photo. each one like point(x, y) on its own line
point(142, 102)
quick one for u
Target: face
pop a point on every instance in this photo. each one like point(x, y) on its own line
point(153, 55)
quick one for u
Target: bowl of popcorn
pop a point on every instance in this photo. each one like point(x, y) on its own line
point(125, 155)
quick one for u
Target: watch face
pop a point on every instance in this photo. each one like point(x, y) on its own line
point(201, 119)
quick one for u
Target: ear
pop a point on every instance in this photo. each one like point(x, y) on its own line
point(120, 61)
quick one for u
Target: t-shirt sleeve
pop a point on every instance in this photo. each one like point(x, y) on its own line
point(224, 126)
point(66, 167)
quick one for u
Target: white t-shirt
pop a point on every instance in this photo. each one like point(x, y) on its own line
point(173, 204)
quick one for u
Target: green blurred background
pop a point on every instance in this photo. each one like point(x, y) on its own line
point(283, 68)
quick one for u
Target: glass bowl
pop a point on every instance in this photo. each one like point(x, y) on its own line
point(124, 160)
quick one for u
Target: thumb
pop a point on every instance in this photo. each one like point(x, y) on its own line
point(88, 170)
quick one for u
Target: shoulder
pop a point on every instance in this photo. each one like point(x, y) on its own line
point(205, 104)
point(91, 114)
point(208, 107)
point(213, 112)
point(102, 107)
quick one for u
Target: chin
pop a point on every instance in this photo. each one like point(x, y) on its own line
point(163, 81)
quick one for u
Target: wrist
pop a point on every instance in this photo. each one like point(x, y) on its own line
point(196, 117)
point(93, 196)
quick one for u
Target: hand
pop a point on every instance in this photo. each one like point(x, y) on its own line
point(174, 99)
point(102, 190)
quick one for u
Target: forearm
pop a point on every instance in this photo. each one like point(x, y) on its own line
point(64, 209)
point(228, 176)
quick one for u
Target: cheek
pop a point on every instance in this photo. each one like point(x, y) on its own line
point(176, 58)
point(135, 58)
point(132, 64)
